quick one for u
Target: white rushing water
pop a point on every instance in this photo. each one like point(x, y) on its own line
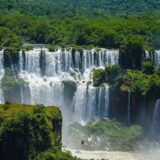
point(2, 73)
point(154, 56)
point(45, 71)
point(64, 78)
point(157, 58)
point(91, 103)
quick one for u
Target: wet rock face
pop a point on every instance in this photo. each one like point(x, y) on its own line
point(141, 108)
point(118, 105)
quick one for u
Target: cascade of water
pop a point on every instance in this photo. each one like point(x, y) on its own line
point(157, 58)
point(105, 113)
point(99, 100)
point(111, 57)
point(58, 63)
point(89, 102)
point(80, 102)
point(147, 55)
point(22, 96)
point(155, 127)
point(30, 61)
point(45, 91)
point(2, 73)
point(15, 76)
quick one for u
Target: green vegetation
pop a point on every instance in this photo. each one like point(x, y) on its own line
point(104, 135)
point(113, 73)
point(83, 7)
point(99, 77)
point(132, 51)
point(110, 74)
point(30, 47)
point(141, 83)
point(148, 67)
point(30, 132)
point(51, 48)
point(9, 40)
point(132, 34)
point(144, 83)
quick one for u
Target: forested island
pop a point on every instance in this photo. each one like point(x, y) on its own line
point(98, 61)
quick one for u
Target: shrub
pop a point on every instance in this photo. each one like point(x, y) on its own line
point(148, 67)
point(141, 83)
point(99, 77)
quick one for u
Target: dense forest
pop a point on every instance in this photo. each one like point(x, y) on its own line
point(110, 32)
point(85, 7)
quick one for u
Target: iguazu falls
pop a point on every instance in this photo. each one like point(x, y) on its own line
point(79, 80)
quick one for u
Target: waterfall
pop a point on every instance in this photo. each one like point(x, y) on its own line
point(22, 96)
point(129, 107)
point(155, 127)
point(2, 73)
point(64, 78)
point(106, 98)
point(30, 62)
point(89, 102)
point(147, 55)
point(157, 58)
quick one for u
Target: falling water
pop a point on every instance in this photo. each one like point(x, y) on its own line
point(155, 127)
point(2, 73)
point(22, 96)
point(157, 58)
point(15, 76)
point(147, 55)
point(89, 102)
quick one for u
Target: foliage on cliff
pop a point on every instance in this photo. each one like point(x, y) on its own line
point(9, 40)
point(99, 77)
point(110, 74)
point(28, 132)
point(141, 83)
point(145, 82)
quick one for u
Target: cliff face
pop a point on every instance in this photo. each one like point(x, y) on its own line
point(26, 131)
